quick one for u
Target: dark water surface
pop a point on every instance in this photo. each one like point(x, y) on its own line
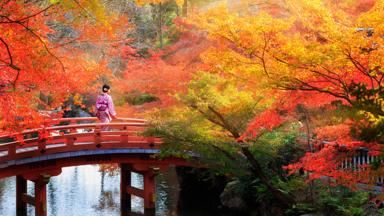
point(83, 190)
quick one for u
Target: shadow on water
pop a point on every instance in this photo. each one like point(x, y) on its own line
point(83, 190)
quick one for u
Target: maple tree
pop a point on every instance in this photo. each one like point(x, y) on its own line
point(319, 59)
point(335, 57)
point(307, 66)
point(210, 119)
point(234, 77)
point(42, 55)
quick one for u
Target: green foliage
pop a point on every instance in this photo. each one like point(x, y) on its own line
point(299, 209)
point(139, 99)
point(162, 16)
point(326, 201)
point(211, 94)
point(189, 133)
point(278, 148)
point(291, 185)
point(54, 1)
point(368, 99)
point(343, 203)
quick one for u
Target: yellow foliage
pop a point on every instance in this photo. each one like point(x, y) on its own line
point(77, 100)
point(90, 8)
point(143, 2)
point(310, 44)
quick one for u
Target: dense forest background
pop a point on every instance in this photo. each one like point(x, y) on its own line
point(280, 97)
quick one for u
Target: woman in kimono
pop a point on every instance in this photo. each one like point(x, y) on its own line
point(105, 110)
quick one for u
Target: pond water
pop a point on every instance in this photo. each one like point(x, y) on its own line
point(83, 190)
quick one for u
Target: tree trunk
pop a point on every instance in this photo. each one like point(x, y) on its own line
point(161, 26)
point(184, 12)
point(285, 200)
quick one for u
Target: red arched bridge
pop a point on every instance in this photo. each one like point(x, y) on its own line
point(38, 154)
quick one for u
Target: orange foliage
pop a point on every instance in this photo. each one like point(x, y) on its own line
point(268, 120)
point(39, 72)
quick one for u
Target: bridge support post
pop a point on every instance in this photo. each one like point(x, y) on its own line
point(125, 180)
point(41, 195)
point(40, 198)
point(147, 193)
point(21, 188)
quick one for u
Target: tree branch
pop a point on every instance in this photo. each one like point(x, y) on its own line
point(206, 115)
point(360, 67)
point(304, 86)
point(226, 125)
point(40, 40)
point(10, 64)
point(23, 19)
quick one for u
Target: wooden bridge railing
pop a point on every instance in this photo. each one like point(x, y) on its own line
point(78, 134)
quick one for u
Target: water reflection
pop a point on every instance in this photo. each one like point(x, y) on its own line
point(77, 191)
point(84, 190)
point(7, 196)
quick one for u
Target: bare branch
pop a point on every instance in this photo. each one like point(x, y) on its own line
point(304, 86)
point(10, 64)
point(214, 121)
point(25, 18)
point(40, 40)
point(266, 41)
point(226, 125)
point(8, 51)
point(360, 67)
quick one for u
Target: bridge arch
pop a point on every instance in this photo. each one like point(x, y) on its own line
point(37, 154)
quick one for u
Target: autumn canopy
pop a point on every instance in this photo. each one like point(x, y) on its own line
point(229, 79)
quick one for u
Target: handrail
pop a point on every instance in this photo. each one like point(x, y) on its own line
point(93, 125)
point(123, 134)
point(77, 119)
point(96, 119)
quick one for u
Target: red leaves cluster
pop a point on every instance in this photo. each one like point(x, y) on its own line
point(163, 73)
point(336, 133)
point(266, 121)
point(327, 163)
point(37, 73)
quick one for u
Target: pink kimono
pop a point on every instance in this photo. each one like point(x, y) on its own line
point(105, 109)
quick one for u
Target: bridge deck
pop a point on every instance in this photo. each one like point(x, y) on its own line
point(82, 136)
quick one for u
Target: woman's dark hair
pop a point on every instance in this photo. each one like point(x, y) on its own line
point(105, 88)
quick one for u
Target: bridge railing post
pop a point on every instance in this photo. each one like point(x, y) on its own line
point(72, 122)
point(42, 145)
point(124, 137)
point(11, 150)
point(97, 136)
point(70, 141)
point(151, 141)
point(42, 142)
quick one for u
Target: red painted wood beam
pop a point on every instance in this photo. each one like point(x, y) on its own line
point(21, 189)
point(125, 180)
point(41, 195)
point(35, 176)
point(45, 166)
point(149, 193)
point(28, 199)
point(135, 191)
